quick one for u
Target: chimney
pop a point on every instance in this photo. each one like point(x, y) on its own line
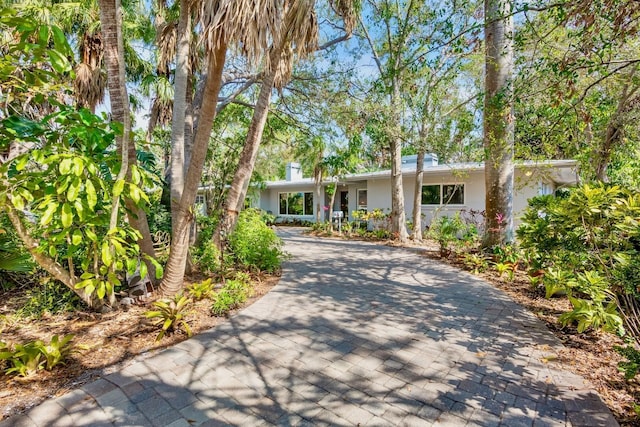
point(430, 159)
point(294, 172)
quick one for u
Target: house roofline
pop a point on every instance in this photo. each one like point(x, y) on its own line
point(430, 170)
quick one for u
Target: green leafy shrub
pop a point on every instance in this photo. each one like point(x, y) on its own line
point(25, 359)
point(207, 257)
point(234, 293)
point(28, 358)
point(56, 352)
point(588, 245)
point(631, 365)
point(170, 315)
point(475, 262)
point(50, 297)
point(201, 290)
point(324, 227)
point(506, 267)
point(448, 232)
point(5, 354)
point(254, 245)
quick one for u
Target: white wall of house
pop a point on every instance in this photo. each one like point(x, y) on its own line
point(379, 193)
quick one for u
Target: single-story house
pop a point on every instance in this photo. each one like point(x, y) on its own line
point(446, 189)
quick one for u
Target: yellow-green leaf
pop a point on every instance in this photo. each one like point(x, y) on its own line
point(76, 237)
point(67, 215)
point(92, 197)
point(22, 162)
point(91, 235)
point(58, 61)
point(65, 166)
point(101, 290)
point(48, 214)
point(118, 187)
point(135, 175)
point(134, 193)
point(17, 201)
point(74, 189)
point(79, 209)
point(89, 289)
point(107, 258)
point(78, 166)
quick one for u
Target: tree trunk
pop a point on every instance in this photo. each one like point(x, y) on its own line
point(317, 179)
point(119, 99)
point(498, 123)
point(114, 59)
point(240, 183)
point(416, 234)
point(333, 200)
point(398, 216)
point(49, 264)
point(179, 108)
point(172, 281)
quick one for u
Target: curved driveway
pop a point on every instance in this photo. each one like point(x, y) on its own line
point(354, 334)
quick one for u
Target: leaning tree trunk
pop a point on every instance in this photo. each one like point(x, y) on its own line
point(49, 264)
point(416, 234)
point(172, 281)
point(498, 123)
point(240, 183)
point(178, 164)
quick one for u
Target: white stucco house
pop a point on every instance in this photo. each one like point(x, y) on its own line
point(446, 189)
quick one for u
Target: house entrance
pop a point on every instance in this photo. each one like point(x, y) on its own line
point(344, 204)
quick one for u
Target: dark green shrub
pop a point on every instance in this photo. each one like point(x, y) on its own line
point(451, 233)
point(587, 243)
point(631, 366)
point(207, 257)
point(254, 245)
point(159, 218)
point(234, 293)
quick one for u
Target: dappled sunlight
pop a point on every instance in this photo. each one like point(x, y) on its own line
point(355, 334)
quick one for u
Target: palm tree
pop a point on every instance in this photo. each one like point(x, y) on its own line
point(311, 155)
point(296, 38)
point(223, 23)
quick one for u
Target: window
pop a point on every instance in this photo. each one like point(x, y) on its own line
point(445, 194)
point(296, 203)
point(431, 194)
point(362, 200)
point(199, 199)
point(453, 194)
point(544, 189)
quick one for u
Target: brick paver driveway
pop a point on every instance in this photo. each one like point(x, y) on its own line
point(354, 334)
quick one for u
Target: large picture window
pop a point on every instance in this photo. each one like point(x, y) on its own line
point(443, 194)
point(296, 203)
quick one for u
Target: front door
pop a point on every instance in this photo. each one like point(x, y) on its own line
point(344, 204)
